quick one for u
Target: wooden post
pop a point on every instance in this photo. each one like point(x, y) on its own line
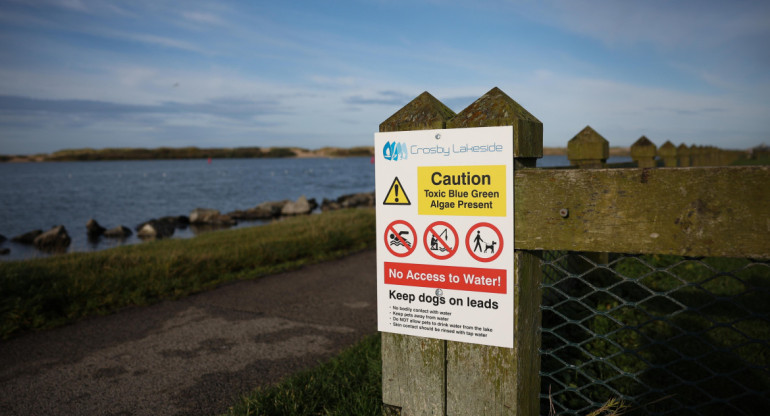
point(709, 155)
point(667, 152)
point(583, 150)
point(414, 368)
point(695, 155)
point(683, 154)
point(492, 380)
point(643, 153)
point(588, 149)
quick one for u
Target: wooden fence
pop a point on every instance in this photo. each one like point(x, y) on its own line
point(714, 211)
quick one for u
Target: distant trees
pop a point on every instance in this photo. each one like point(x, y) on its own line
point(168, 153)
point(191, 152)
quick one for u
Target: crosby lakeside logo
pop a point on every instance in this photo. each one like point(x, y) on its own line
point(394, 151)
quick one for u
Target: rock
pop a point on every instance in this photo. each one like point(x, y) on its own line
point(55, 238)
point(203, 215)
point(363, 199)
point(263, 211)
point(210, 216)
point(329, 205)
point(155, 229)
point(178, 221)
point(94, 229)
point(4, 251)
point(302, 206)
point(118, 232)
point(27, 238)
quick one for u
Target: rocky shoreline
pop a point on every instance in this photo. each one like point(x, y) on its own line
point(57, 239)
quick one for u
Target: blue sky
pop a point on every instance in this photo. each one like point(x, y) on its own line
point(151, 73)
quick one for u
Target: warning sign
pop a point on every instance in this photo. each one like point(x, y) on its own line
point(396, 194)
point(440, 240)
point(445, 234)
point(462, 190)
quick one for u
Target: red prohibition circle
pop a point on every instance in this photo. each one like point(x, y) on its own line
point(391, 234)
point(450, 251)
point(468, 242)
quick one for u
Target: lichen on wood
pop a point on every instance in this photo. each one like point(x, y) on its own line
point(717, 212)
point(424, 112)
point(495, 108)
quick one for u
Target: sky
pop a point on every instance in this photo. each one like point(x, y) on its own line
point(153, 73)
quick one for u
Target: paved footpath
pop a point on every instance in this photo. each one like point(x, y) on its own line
point(193, 356)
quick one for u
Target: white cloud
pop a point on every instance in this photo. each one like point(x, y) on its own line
point(202, 17)
point(623, 112)
point(700, 24)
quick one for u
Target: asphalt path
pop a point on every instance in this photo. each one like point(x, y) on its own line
point(193, 356)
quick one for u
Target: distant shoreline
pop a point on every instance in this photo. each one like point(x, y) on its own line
point(169, 153)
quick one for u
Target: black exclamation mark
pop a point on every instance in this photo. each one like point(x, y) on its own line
point(396, 186)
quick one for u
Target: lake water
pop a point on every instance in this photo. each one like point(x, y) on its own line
point(43, 195)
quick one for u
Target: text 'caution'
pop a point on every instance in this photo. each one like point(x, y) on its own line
point(462, 190)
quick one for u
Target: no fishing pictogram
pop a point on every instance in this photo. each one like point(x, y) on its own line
point(400, 238)
point(440, 240)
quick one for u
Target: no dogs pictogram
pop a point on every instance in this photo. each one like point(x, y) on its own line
point(440, 240)
point(484, 242)
point(400, 238)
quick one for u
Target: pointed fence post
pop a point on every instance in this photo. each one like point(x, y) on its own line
point(683, 154)
point(414, 368)
point(696, 155)
point(484, 380)
point(667, 152)
point(643, 153)
point(588, 149)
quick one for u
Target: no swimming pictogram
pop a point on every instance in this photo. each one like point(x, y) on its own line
point(400, 238)
point(440, 240)
point(484, 242)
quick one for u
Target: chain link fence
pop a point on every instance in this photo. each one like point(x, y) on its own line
point(668, 335)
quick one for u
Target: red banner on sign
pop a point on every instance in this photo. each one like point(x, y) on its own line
point(447, 277)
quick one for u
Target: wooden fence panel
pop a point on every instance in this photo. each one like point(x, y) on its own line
point(716, 211)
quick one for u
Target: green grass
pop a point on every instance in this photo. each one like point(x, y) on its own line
point(763, 160)
point(44, 293)
point(349, 384)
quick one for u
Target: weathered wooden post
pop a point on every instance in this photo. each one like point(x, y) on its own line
point(423, 376)
point(696, 155)
point(683, 154)
point(588, 149)
point(585, 150)
point(492, 380)
point(643, 153)
point(667, 152)
point(414, 368)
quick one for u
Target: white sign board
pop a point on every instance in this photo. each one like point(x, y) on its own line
point(445, 234)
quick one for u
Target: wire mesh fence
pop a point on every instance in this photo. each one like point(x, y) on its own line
point(666, 334)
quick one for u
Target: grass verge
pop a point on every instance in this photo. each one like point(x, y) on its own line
point(44, 293)
point(349, 384)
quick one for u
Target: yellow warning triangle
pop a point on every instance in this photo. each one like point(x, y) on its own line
point(396, 194)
